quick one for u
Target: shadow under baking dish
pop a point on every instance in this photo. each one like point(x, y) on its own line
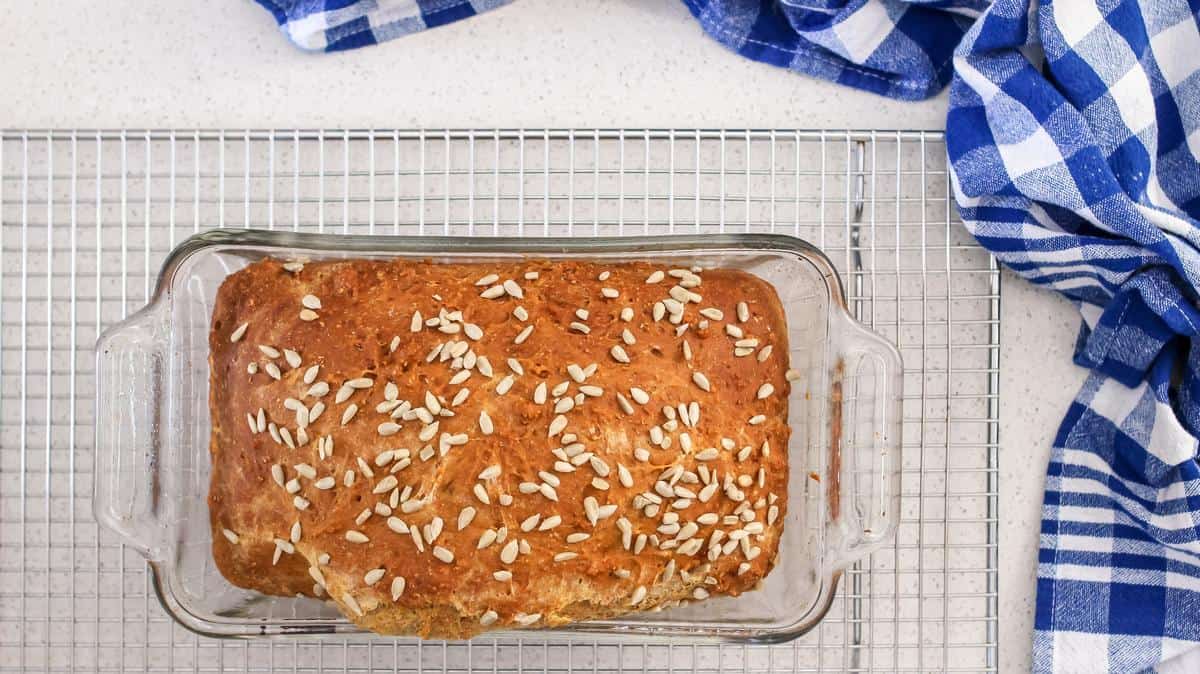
point(153, 461)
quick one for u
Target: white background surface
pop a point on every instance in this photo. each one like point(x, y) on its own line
point(557, 63)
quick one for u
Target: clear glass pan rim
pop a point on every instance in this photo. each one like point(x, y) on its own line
point(436, 246)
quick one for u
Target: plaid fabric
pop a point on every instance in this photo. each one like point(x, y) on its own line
point(336, 25)
point(1073, 134)
point(897, 49)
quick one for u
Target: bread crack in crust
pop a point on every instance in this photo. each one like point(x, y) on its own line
point(444, 449)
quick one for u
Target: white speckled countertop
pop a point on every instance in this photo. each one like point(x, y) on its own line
point(557, 63)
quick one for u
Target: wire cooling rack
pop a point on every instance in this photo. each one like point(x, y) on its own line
point(88, 216)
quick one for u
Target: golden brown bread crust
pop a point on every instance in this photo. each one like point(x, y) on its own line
point(364, 306)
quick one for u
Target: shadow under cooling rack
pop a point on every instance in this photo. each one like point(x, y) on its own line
point(87, 217)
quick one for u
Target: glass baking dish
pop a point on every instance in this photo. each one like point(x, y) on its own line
point(152, 439)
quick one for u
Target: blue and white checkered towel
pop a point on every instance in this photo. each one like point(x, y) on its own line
point(889, 47)
point(1074, 134)
point(1074, 138)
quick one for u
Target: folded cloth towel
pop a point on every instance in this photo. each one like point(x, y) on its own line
point(336, 25)
point(1073, 134)
point(898, 49)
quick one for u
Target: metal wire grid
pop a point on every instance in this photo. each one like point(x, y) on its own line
point(88, 216)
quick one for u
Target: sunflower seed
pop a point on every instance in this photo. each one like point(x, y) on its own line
point(508, 554)
point(373, 576)
point(317, 576)
point(397, 586)
point(564, 405)
point(591, 508)
point(412, 506)
point(494, 292)
point(679, 294)
point(757, 419)
point(548, 491)
point(428, 431)
point(576, 373)
point(473, 332)
point(356, 536)
point(599, 466)
point(361, 383)
point(565, 556)
point(490, 473)
point(349, 600)
point(557, 425)
point(639, 594)
point(529, 523)
point(273, 370)
point(385, 485)
point(511, 287)
point(292, 358)
point(623, 475)
point(521, 314)
point(300, 502)
point(618, 354)
point(505, 384)
point(349, 413)
point(539, 394)
point(527, 619)
point(658, 311)
point(238, 333)
point(308, 315)
point(488, 618)
point(481, 494)
point(503, 575)
point(433, 529)
point(415, 535)
point(765, 390)
point(701, 381)
point(487, 280)
point(317, 390)
point(655, 277)
point(523, 335)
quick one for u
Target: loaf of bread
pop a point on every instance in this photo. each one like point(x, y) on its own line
point(443, 449)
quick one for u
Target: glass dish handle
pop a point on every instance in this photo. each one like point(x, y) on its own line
point(130, 372)
point(864, 465)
